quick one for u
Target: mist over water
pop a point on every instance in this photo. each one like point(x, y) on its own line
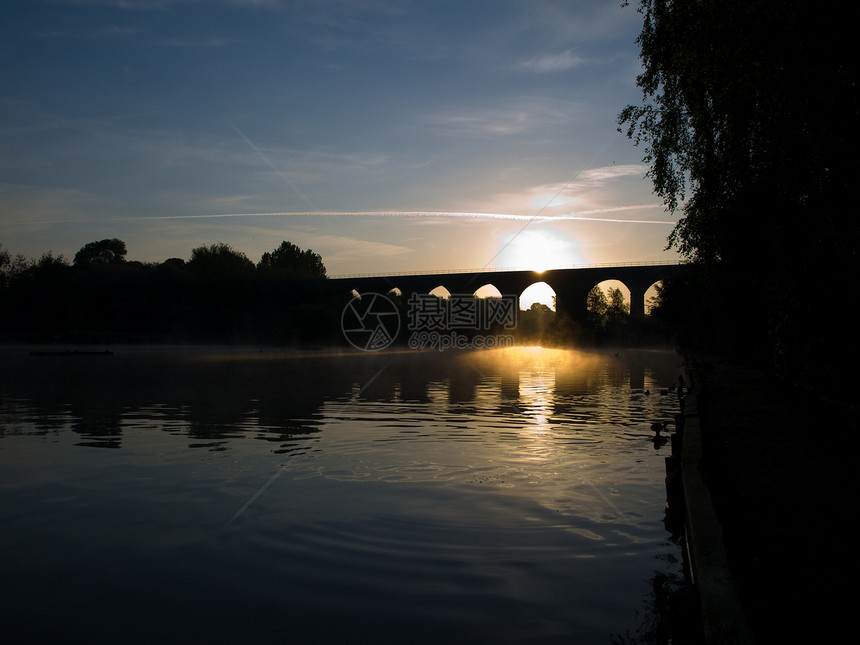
point(504, 495)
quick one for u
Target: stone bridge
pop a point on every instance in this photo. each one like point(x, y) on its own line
point(571, 285)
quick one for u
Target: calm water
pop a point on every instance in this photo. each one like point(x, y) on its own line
point(220, 496)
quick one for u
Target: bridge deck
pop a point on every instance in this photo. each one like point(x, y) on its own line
point(600, 265)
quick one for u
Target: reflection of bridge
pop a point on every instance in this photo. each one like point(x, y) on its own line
point(571, 285)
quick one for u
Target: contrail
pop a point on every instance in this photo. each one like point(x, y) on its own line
point(577, 215)
point(585, 215)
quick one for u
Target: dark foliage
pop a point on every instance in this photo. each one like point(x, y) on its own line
point(110, 251)
point(748, 119)
point(290, 259)
point(608, 314)
point(219, 260)
point(217, 296)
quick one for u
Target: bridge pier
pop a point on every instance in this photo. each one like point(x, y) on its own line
point(637, 301)
point(571, 300)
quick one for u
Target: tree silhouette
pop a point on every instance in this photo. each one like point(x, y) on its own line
point(596, 304)
point(617, 307)
point(744, 120)
point(111, 251)
point(606, 308)
point(290, 259)
point(11, 266)
point(748, 125)
point(219, 259)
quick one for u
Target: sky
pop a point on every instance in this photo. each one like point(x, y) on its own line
point(387, 136)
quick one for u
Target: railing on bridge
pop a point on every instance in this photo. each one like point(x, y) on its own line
point(392, 274)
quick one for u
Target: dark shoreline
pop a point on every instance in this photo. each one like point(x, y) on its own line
point(779, 464)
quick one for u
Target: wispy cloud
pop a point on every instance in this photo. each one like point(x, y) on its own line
point(340, 250)
point(587, 190)
point(517, 116)
point(596, 178)
point(560, 62)
point(606, 173)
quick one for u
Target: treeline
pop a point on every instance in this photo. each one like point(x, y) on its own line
point(607, 323)
point(218, 295)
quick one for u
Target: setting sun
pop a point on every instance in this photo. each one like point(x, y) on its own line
point(538, 250)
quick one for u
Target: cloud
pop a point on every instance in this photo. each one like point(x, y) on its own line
point(553, 62)
point(558, 194)
point(587, 190)
point(370, 248)
point(599, 177)
point(604, 173)
point(518, 116)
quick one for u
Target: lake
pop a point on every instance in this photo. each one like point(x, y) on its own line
point(231, 494)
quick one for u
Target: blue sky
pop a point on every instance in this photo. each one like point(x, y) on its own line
point(384, 135)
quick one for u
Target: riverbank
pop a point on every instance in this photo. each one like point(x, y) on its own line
point(780, 467)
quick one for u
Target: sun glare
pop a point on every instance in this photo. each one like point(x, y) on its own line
point(538, 250)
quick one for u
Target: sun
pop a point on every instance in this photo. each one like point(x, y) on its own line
point(538, 250)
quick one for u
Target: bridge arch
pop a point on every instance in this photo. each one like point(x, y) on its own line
point(612, 283)
point(488, 290)
point(635, 301)
point(538, 292)
point(650, 294)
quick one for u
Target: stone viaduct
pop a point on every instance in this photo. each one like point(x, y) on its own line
point(571, 285)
